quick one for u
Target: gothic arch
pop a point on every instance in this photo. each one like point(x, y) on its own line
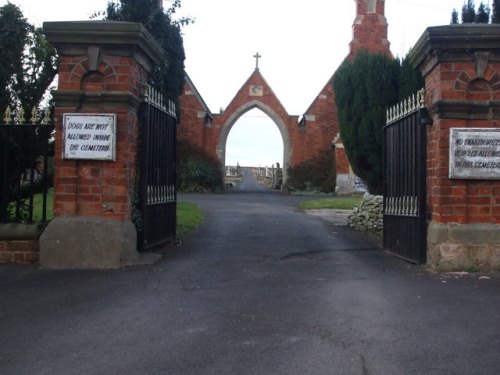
point(236, 115)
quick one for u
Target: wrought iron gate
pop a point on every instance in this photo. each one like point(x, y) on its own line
point(157, 172)
point(25, 175)
point(405, 160)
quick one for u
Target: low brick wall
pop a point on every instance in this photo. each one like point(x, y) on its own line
point(19, 243)
point(368, 216)
point(25, 251)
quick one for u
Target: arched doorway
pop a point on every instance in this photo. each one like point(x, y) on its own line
point(254, 141)
point(241, 111)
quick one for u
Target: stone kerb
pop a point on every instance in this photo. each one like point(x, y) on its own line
point(103, 68)
point(461, 66)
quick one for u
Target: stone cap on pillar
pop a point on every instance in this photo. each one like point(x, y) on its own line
point(74, 37)
point(453, 43)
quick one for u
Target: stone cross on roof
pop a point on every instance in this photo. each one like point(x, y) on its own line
point(257, 57)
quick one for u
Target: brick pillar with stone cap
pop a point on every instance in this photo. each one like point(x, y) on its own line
point(103, 69)
point(461, 66)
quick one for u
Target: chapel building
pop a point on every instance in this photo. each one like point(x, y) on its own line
point(304, 137)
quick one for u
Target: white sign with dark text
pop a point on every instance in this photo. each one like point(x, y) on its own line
point(89, 136)
point(475, 153)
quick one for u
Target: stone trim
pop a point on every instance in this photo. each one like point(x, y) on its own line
point(454, 43)
point(69, 37)
point(455, 246)
point(15, 232)
point(82, 99)
point(88, 243)
point(467, 109)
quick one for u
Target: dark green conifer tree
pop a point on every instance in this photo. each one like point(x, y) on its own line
point(364, 89)
point(495, 17)
point(410, 80)
point(469, 12)
point(483, 14)
point(167, 76)
point(454, 17)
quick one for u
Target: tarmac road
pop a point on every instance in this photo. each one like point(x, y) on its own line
point(259, 288)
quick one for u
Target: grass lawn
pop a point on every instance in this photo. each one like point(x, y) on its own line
point(189, 216)
point(335, 202)
point(38, 206)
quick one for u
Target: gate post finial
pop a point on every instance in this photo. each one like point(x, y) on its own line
point(34, 117)
point(421, 98)
point(8, 116)
point(20, 116)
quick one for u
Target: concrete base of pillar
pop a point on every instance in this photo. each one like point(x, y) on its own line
point(456, 247)
point(89, 243)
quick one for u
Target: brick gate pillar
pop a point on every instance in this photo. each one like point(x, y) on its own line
point(461, 66)
point(102, 71)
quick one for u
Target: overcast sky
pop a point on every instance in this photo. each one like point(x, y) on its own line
point(301, 43)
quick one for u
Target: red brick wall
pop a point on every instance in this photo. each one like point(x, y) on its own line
point(316, 133)
point(321, 123)
point(243, 97)
point(455, 200)
point(98, 188)
point(369, 30)
point(22, 251)
point(191, 126)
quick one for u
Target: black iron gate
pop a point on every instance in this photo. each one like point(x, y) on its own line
point(157, 173)
point(405, 160)
point(25, 175)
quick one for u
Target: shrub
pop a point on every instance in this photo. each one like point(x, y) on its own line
point(198, 171)
point(317, 173)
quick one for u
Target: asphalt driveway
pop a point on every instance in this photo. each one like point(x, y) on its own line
point(259, 288)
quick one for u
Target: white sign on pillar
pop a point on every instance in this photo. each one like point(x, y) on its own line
point(475, 153)
point(89, 136)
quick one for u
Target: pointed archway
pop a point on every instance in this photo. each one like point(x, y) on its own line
point(238, 113)
point(255, 93)
point(318, 129)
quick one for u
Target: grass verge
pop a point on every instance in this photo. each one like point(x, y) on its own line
point(37, 206)
point(189, 216)
point(346, 203)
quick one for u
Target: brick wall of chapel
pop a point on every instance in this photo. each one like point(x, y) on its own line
point(316, 133)
point(191, 127)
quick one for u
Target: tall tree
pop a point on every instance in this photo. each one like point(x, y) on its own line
point(410, 80)
point(468, 12)
point(364, 88)
point(483, 14)
point(29, 63)
point(495, 17)
point(454, 17)
point(168, 75)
